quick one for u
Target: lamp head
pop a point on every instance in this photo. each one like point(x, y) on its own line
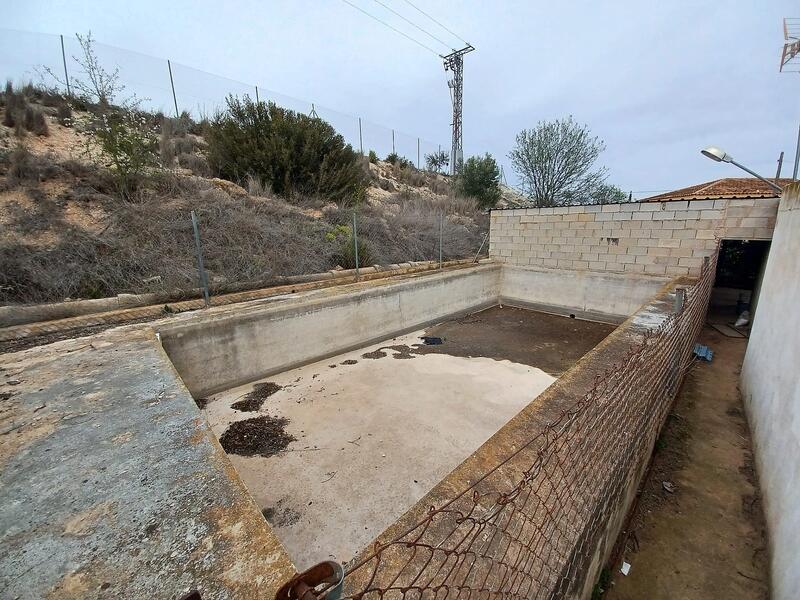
point(716, 154)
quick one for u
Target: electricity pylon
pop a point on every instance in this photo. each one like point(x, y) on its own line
point(455, 62)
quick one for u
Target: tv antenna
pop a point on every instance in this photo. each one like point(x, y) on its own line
point(791, 64)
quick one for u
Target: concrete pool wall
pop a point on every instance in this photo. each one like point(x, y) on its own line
point(134, 495)
point(229, 346)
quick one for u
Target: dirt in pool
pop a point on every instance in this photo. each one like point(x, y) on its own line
point(253, 401)
point(259, 436)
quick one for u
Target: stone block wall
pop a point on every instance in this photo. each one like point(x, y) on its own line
point(656, 238)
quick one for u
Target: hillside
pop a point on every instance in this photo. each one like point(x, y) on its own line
point(66, 232)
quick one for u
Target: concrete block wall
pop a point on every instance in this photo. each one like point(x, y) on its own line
point(771, 392)
point(653, 238)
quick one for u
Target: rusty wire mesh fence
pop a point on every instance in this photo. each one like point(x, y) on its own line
point(530, 525)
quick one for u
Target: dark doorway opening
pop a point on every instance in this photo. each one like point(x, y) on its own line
point(740, 268)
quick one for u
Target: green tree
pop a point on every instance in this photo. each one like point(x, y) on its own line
point(437, 162)
point(479, 178)
point(555, 163)
point(293, 153)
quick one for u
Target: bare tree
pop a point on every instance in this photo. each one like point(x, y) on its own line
point(554, 162)
point(100, 86)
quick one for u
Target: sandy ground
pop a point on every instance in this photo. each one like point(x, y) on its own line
point(377, 428)
point(706, 539)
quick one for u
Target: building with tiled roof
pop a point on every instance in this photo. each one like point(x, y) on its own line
point(722, 189)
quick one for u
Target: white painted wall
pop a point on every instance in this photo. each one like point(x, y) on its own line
point(604, 295)
point(771, 390)
point(229, 346)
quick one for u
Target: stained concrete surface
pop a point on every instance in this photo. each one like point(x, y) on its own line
point(112, 484)
point(706, 538)
point(377, 428)
point(550, 342)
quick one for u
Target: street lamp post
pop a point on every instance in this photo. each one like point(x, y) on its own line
point(719, 155)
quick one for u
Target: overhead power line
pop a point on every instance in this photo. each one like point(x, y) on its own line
point(382, 22)
point(430, 35)
point(447, 29)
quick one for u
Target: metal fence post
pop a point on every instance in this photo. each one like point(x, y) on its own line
point(393, 151)
point(172, 84)
point(478, 253)
point(441, 233)
point(355, 242)
point(417, 153)
point(257, 100)
point(64, 59)
point(201, 269)
point(680, 297)
point(360, 140)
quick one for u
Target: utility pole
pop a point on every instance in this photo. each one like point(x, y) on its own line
point(455, 62)
point(796, 156)
point(791, 63)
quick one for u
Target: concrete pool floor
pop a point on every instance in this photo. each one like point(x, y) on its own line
point(376, 428)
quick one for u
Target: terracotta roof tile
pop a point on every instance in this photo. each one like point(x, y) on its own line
point(730, 187)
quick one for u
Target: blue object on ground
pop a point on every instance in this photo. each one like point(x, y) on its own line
point(703, 352)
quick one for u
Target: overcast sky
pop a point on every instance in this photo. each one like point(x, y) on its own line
point(656, 80)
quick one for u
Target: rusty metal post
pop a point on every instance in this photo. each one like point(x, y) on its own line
point(441, 234)
point(201, 269)
point(355, 242)
point(680, 298)
point(478, 253)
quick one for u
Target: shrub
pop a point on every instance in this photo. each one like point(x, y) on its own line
point(479, 177)
point(293, 153)
point(8, 90)
point(195, 163)
point(35, 121)
point(346, 255)
point(64, 114)
point(411, 176)
point(15, 105)
point(128, 147)
point(22, 166)
point(174, 140)
point(373, 157)
point(26, 167)
point(256, 187)
point(398, 161)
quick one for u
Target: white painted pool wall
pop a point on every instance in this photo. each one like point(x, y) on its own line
point(605, 296)
point(230, 346)
point(771, 390)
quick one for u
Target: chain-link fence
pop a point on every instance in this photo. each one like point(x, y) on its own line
point(365, 238)
point(530, 524)
point(99, 246)
point(171, 88)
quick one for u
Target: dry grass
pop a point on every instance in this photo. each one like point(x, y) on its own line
point(66, 234)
